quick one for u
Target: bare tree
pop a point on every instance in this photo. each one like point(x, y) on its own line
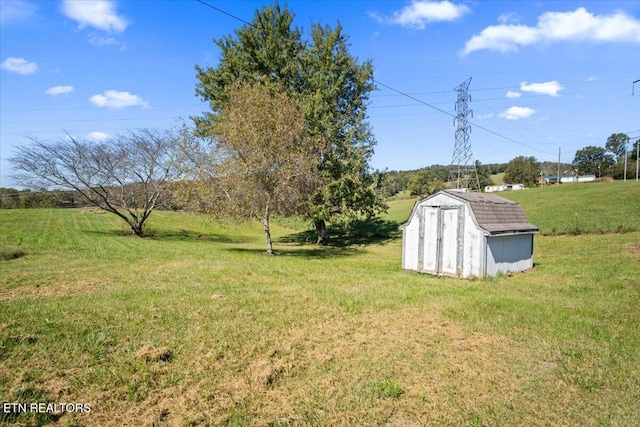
point(126, 175)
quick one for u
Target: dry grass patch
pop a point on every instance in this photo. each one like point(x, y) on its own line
point(149, 353)
point(49, 288)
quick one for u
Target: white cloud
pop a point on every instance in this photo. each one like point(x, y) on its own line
point(421, 12)
point(512, 94)
point(96, 40)
point(98, 136)
point(509, 17)
point(547, 88)
point(484, 116)
point(59, 90)
point(19, 66)
point(592, 79)
point(516, 113)
point(579, 25)
point(99, 14)
point(16, 10)
point(117, 99)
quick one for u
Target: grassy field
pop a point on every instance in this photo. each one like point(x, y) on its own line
point(594, 207)
point(196, 326)
point(497, 178)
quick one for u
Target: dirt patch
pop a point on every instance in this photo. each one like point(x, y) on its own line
point(633, 249)
point(49, 288)
point(150, 353)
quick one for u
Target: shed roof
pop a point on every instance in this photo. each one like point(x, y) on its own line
point(496, 214)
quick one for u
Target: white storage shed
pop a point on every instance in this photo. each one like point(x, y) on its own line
point(467, 235)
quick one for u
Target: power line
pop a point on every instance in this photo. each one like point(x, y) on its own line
point(472, 124)
point(398, 91)
point(224, 12)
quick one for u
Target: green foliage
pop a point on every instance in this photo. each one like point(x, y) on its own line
point(332, 88)
point(522, 170)
point(433, 178)
point(424, 182)
point(484, 175)
point(592, 160)
point(617, 145)
point(388, 389)
point(266, 165)
point(608, 161)
point(270, 48)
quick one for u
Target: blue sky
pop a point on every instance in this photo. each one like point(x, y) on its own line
point(545, 74)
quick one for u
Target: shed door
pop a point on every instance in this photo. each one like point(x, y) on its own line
point(450, 245)
point(440, 245)
point(428, 245)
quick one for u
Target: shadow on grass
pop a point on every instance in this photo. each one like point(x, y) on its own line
point(361, 232)
point(176, 235)
point(318, 252)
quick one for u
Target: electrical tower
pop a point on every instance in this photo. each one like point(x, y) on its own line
point(463, 172)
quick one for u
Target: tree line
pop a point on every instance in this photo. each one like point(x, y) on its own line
point(618, 155)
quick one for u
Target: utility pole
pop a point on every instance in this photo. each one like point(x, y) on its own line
point(637, 156)
point(626, 149)
point(558, 181)
point(633, 86)
point(637, 139)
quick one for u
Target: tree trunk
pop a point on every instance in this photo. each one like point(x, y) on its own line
point(136, 228)
point(321, 231)
point(267, 232)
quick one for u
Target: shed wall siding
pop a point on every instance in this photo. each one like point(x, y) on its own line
point(410, 247)
point(509, 254)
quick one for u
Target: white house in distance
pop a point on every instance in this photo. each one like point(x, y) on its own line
point(503, 187)
point(467, 235)
point(566, 178)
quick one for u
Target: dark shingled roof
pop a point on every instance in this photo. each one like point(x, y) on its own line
point(496, 214)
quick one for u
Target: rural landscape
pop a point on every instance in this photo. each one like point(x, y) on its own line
point(195, 325)
point(242, 260)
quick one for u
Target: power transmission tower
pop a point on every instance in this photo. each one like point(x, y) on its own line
point(463, 172)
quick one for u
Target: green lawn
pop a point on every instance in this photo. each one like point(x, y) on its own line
point(594, 207)
point(196, 326)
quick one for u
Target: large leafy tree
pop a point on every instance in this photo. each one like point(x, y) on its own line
point(592, 160)
point(126, 175)
point(336, 90)
point(332, 89)
point(484, 175)
point(522, 170)
point(617, 145)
